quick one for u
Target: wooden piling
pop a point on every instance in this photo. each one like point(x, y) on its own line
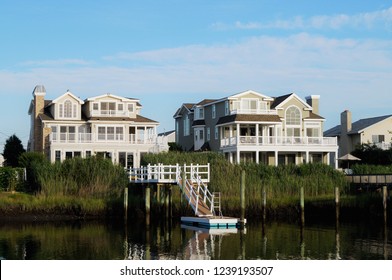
point(264, 204)
point(167, 201)
point(126, 203)
point(242, 198)
point(384, 197)
point(337, 204)
point(302, 205)
point(148, 203)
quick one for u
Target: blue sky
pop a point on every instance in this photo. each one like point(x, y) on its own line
point(171, 52)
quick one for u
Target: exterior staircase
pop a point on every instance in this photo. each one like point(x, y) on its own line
point(203, 202)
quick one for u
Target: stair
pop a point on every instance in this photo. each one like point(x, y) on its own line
point(195, 199)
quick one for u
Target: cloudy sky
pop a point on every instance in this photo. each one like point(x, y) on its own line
point(171, 52)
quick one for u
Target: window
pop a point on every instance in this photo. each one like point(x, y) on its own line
point(67, 133)
point(95, 107)
point(378, 138)
point(293, 122)
point(208, 134)
point(186, 126)
point(88, 153)
point(67, 109)
point(226, 108)
point(216, 133)
point(57, 156)
point(130, 108)
point(201, 113)
point(107, 108)
point(213, 111)
point(61, 110)
point(201, 134)
point(293, 116)
point(110, 133)
point(120, 107)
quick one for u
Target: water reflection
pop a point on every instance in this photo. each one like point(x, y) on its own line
point(167, 240)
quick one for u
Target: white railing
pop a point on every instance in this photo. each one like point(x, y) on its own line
point(383, 145)
point(110, 113)
point(274, 141)
point(253, 111)
point(161, 173)
point(104, 137)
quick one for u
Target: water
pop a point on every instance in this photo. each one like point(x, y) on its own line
point(99, 240)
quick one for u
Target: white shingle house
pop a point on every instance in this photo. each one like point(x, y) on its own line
point(106, 125)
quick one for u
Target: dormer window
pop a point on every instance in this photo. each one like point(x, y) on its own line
point(131, 107)
point(200, 113)
point(68, 110)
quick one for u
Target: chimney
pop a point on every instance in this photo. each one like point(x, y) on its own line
point(346, 121)
point(314, 100)
point(39, 105)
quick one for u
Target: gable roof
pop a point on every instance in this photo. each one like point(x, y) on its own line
point(250, 92)
point(187, 106)
point(356, 127)
point(113, 96)
point(281, 100)
point(69, 94)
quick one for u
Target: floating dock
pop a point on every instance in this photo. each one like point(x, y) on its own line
point(213, 222)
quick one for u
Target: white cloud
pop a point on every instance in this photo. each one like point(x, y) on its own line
point(367, 20)
point(55, 63)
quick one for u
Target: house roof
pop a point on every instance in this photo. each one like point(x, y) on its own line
point(356, 127)
point(313, 116)
point(206, 101)
point(138, 118)
point(278, 100)
point(248, 118)
point(166, 133)
point(198, 122)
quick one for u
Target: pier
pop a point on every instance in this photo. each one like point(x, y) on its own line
point(193, 181)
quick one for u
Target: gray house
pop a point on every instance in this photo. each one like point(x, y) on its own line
point(251, 126)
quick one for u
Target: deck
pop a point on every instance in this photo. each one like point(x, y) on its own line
point(370, 181)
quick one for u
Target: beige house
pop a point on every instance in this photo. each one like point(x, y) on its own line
point(106, 125)
point(376, 130)
point(251, 126)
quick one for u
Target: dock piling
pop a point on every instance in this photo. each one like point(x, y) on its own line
point(126, 203)
point(148, 203)
point(242, 198)
point(302, 205)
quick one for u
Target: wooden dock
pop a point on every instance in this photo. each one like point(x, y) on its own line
point(212, 222)
point(193, 182)
point(369, 181)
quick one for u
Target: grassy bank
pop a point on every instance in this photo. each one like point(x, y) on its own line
point(75, 187)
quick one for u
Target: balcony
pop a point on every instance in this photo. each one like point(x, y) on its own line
point(277, 141)
point(110, 113)
point(69, 138)
point(247, 111)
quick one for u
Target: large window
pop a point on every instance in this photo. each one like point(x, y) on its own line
point(293, 122)
point(110, 133)
point(186, 126)
point(293, 116)
point(213, 111)
point(68, 110)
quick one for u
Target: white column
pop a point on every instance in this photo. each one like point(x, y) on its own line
point(257, 135)
point(307, 157)
point(276, 158)
point(257, 157)
point(238, 156)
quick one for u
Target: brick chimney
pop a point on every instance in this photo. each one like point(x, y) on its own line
point(314, 100)
point(38, 108)
point(345, 139)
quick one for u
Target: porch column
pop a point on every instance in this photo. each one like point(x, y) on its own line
point(238, 133)
point(238, 156)
point(276, 158)
point(307, 157)
point(231, 157)
point(257, 157)
point(257, 138)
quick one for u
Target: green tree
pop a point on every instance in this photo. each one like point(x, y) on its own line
point(13, 148)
